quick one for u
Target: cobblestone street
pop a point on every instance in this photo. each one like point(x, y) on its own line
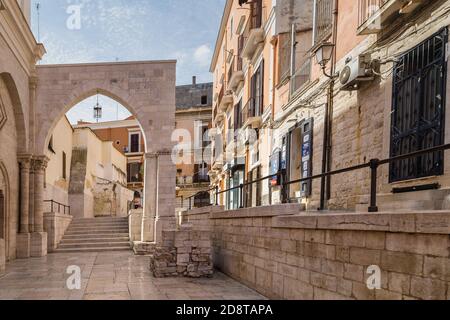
point(110, 276)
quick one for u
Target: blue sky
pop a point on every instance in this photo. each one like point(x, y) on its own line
point(127, 30)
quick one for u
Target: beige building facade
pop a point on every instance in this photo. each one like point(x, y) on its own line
point(35, 98)
point(315, 121)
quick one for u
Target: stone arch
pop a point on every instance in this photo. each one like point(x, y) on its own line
point(21, 127)
point(147, 90)
point(79, 96)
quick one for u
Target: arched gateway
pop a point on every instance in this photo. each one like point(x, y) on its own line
point(147, 90)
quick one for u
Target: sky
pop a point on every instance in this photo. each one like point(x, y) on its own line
point(80, 31)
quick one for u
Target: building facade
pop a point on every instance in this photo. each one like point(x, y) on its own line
point(19, 53)
point(378, 92)
point(193, 122)
point(127, 138)
point(243, 72)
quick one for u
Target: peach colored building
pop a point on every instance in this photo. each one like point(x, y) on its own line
point(309, 120)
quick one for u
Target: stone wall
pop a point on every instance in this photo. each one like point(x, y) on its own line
point(285, 255)
point(184, 252)
point(55, 224)
point(2, 257)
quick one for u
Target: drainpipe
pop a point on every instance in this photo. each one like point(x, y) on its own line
point(331, 96)
point(325, 191)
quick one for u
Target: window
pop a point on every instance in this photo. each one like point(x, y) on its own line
point(417, 123)
point(323, 18)
point(204, 100)
point(135, 142)
point(134, 172)
point(64, 165)
point(50, 145)
point(257, 90)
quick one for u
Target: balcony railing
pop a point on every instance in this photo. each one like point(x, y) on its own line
point(367, 8)
point(301, 76)
point(323, 20)
point(251, 110)
point(235, 66)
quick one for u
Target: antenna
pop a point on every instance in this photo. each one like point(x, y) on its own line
point(38, 7)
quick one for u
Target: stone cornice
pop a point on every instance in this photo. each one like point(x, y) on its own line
point(19, 37)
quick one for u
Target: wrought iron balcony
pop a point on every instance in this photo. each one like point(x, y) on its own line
point(251, 114)
point(235, 73)
point(374, 14)
point(301, 77)
point(323, 20)
point(254, 31)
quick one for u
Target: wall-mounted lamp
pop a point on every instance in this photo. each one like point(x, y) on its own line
point(323, 55)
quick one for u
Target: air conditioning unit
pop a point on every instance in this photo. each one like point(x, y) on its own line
point(356, 70)
point(125, 150)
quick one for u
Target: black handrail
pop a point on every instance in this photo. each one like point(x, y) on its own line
point(372, 164)
point(216, 189)
point(53, 203)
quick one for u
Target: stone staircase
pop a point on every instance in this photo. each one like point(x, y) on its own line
point(96, 235)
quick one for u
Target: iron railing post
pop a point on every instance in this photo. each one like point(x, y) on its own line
point(241, 196)
point(190, 203)
point(374, 163)
point(217, 195)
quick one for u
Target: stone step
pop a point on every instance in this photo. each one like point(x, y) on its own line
point(94, 231)
point(87, 229)
point(95, 245)
point(95, 224)
point(95, 235)
point(94, 240)
point(96, 249)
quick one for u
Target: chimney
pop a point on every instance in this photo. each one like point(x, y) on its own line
point(194, 80)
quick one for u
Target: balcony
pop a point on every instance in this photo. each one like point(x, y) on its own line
point(225, 102)
point(373, 15)
point(301, 77)
point(235, 74)
point(254, 31)
point(252, 113)
point(323, 20)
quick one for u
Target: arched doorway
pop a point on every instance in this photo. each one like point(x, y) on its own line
point(147, 90)
point(96, 158)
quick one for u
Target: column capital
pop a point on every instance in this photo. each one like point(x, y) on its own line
point(25, 160)
point(33, 81)
point(40, 163)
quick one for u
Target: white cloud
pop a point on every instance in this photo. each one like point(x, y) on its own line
point(202, 55)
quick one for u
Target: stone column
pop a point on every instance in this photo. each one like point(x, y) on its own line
point(24, 237)
point(150, 198)
point(165, 213)
point(39, 237)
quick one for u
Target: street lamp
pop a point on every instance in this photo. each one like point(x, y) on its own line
point(97, 110)
point(323, 53)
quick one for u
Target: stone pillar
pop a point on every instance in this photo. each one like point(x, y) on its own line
point(24, 237)
point(165, 217)
point(150, 198)
point(39, 237)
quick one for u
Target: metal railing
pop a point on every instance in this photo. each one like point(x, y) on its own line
point(301, 76)
point(54, 204)
point(323, 20)
point(373, 165)
point(367, 8)
point(189, 199)
point(235, 66)
point(251, 109)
